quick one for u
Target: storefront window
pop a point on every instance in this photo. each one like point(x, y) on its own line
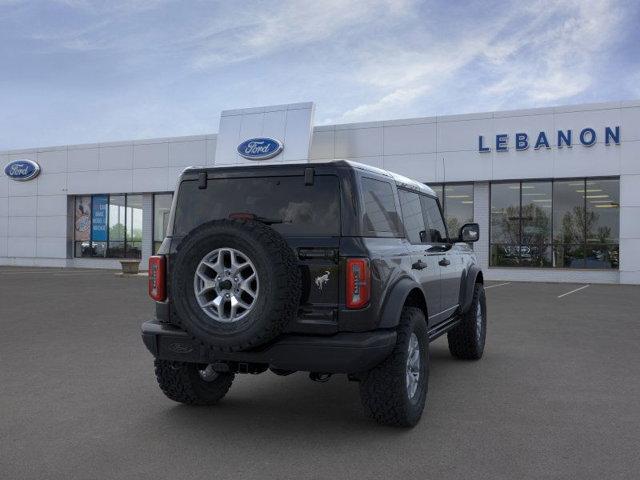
point(457, 204)
point(117, 219)
point(569, 223)
point(564, 224)
point(505, 224)
point(535, 215)
point(108, 226)
point(161, 210)
point(134, 226)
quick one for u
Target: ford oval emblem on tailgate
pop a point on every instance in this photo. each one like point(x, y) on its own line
point(260, 148)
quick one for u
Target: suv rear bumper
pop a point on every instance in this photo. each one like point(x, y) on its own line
point(340, 353)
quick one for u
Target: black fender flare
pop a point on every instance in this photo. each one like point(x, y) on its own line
point(396, 299)
point(473, 276)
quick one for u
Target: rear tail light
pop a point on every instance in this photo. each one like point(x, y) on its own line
point(358, 282)
point(157, 278)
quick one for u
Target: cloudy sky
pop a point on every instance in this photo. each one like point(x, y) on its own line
point(80, 71)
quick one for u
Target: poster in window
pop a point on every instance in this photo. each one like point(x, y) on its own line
point(83, 219)
point(99, 218)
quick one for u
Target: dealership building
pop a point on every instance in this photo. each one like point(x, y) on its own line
point(556, 190)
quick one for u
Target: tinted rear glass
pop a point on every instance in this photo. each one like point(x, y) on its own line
point(294, 208)
point(380, 214)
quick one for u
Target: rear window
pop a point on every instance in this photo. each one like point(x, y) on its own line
point(286, 203)
point(380, 214)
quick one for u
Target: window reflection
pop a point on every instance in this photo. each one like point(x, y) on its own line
point(134, 226)
point(603, 211)
point(457, 204)
point(564, 224)
point(161, 210)
point(412, 216)
point(108, 226)
point(436, 231)
point(117, 218)
point(505, 213)
point(536, 200)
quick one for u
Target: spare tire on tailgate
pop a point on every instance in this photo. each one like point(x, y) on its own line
point(235, 284)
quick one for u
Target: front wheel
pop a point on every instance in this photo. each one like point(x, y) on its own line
point(192, 383)
point(466, 340)
point(394, 392)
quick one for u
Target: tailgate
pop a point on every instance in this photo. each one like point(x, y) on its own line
point(321, 283)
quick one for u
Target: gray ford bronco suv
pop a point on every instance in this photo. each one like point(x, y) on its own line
point(324, 268)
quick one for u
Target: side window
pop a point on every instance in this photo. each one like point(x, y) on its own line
point(380, 214)
point(436, 231)
point(412, 216)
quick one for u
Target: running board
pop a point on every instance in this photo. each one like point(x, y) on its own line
point(442, 328)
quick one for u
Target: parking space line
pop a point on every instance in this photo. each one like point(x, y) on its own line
point(56, 273)
point(573, 291)
point(72, 274)
point(497, 285)
point(22, 273)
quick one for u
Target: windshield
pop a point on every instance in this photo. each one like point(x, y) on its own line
point(285, 203)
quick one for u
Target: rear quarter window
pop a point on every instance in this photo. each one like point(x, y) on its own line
point(380, 214)
point(286, 203)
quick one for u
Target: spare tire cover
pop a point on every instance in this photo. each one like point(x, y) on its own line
point(234, 284)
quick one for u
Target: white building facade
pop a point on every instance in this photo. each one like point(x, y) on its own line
point(556, 191)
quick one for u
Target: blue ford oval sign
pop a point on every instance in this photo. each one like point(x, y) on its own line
point(22, 170)
point(260, 148)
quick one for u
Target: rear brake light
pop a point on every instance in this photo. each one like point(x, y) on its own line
point(358, 282)
point(157, 278)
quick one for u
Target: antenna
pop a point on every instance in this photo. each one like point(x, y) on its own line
point(444, 171)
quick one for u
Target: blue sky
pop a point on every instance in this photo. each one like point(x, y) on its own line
point(76, 71)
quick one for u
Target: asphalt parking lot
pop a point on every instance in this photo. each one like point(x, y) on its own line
point(556, 395)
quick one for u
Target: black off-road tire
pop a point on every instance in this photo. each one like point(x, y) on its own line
point(279, 289)
point(181, 382)
point(467, 339)
point(383, 390)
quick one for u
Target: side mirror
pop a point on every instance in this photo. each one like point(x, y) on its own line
point(469, 233)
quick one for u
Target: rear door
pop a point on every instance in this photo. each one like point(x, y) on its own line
point(423, 265)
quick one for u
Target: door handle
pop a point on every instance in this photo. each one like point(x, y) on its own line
point(444, 262)
point(419, 265)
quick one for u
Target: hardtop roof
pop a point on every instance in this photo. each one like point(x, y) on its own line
point(400, 180)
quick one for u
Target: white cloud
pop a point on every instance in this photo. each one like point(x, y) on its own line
point(554, 63)
point(397, 98)
point(406, 76)
point(258, 32)
point(543, 52)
